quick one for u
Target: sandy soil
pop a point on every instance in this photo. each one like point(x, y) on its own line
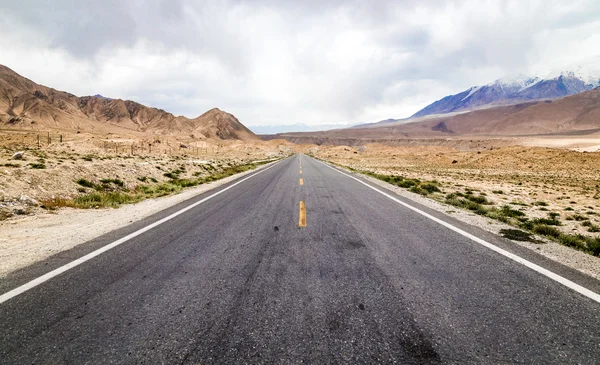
point(33, 238)
point(588, 144)
point(52, 171)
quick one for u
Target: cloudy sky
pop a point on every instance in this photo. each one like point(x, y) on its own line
point(284, 62)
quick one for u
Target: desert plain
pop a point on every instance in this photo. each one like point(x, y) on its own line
point(86, 182)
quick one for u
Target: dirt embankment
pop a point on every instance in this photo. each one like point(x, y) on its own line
point(82, 166)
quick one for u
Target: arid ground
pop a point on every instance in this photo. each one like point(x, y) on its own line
point(552, 194)
point(85, 164)
point(553, 181)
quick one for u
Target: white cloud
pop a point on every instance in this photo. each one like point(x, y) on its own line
point(272, 62)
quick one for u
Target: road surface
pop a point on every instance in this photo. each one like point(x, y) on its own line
point(298, 263)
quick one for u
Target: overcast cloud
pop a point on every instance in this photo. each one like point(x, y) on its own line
point(286, 62)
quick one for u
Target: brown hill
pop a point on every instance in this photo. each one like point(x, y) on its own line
point(572, 115)
point(27, 105)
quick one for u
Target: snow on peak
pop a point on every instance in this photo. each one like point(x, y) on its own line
point(520, 81)
point(588, 71)
point(471, 91)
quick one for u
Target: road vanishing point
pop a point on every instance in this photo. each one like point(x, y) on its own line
point(299, 262)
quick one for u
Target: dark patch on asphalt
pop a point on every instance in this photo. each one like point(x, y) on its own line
point(334, 322)
point(354, 244)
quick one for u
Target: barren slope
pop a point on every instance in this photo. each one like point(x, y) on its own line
point(27, 105)
point(577, 114)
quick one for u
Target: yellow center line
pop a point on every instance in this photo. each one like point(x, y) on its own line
point(301, 181)
point(302, 219)
point(300, 171)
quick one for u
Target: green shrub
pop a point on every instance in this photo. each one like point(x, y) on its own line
point(571, 240)
point(592, 227)
point(576, 217)
point(430, 187)
point(85, 183)
point(593, 245)
point(171, 175)
point(546, 221)
point(117, 182)
point(509, 212)
point(408, 183)
point(37, 165)
point(477, 208)
point(545, 230)
point(516, 235)
point(418, 190)
point(109, 199)
point(479, 199)
point(497, 215)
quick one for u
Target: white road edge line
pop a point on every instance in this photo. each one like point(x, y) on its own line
point(35, 282)
point(566, 282)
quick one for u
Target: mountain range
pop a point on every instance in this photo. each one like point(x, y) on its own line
point(514, 90)
point(27, 105)
point(577, 114)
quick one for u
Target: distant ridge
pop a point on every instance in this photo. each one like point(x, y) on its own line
point(520, 88)
point(572, 115)
point(27, 105)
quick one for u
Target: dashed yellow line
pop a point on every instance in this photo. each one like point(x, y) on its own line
point(302, 219)
point(300, 171)
point(301, 181)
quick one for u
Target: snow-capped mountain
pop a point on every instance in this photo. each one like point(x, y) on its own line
point(587, 71)
point(510, 90)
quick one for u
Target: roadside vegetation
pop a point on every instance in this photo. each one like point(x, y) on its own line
point(479, 204)
point(111, 192)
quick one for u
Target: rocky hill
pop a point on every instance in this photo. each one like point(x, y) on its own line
point(27, 105)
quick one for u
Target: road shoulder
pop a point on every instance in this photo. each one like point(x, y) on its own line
point(34, 239)
point(574, 265)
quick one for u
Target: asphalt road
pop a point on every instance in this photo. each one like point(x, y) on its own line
point(238, 279)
